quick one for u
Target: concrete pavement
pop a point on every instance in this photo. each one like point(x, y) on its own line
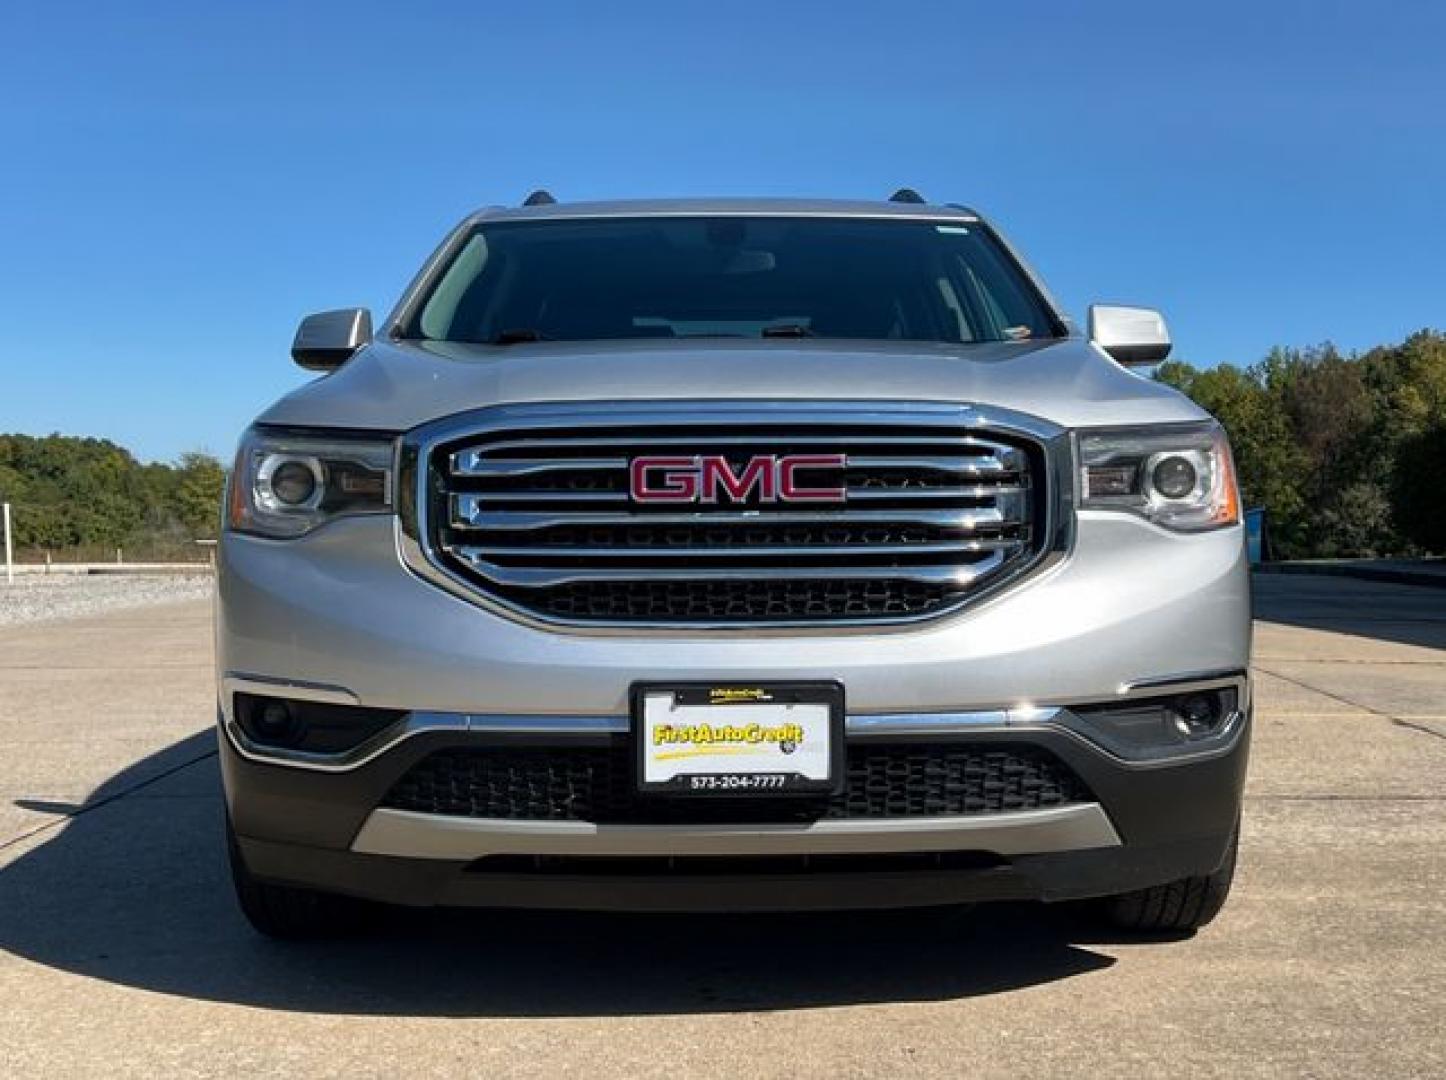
point(121, 953)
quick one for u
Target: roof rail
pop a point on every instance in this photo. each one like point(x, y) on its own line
point(906, 195)
point(540, 197)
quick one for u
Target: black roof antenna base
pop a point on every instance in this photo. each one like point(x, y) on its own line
point(906, 195)
point(541, 197)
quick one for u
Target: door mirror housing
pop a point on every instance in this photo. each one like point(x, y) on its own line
point(1132, 335)
point(328, 339)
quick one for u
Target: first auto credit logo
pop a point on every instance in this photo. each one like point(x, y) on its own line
point(709, 738)
point(706, 737)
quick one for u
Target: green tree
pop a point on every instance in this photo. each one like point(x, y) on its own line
point(1330, 410)
point(198, 494)
point(1268, 462)
point(1343, 452)
point(1408, 382)
point(77, 492)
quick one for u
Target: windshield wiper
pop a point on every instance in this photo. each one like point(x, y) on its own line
point(786, 330)
point(518, 336)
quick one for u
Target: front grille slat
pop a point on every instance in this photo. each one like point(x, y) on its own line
point(545, 496)
point(750, 553)
point(596, 784)
point(850, 436)
point(472, 464)
point(545, 577)
point(1000, 463)
point(855, 493)
point(471, 511)
point(906, 494)
point(542, 519)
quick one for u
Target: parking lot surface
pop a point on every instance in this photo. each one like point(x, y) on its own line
point(121, 953)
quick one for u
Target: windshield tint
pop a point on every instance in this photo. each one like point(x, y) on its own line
point(678, 277)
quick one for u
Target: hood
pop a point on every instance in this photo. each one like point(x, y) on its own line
point(395, 386)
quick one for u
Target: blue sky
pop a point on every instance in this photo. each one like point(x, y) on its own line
point(180, 182)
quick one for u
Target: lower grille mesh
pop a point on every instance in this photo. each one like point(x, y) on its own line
point(744, 600)
point(596, 784)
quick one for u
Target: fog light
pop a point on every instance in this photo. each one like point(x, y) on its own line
point(1197, 714)
point(274, 722)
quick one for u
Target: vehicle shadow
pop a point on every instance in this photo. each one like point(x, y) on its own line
point(1403, 614)
point(133, 889)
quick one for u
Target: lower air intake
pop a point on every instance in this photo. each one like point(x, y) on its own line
point(596, 784)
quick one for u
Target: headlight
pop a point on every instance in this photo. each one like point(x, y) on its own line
point(288, 484)
point(1179, 477)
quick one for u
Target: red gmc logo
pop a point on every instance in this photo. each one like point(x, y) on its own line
point(709, 478)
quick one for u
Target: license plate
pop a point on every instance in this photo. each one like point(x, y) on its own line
point(738, 738)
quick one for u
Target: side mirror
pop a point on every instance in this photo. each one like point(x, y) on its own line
point(328, 339)
point(1132, 335)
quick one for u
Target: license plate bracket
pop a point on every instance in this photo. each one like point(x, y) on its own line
point(738, 740)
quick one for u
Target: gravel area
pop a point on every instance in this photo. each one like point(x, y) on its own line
point(44, 597)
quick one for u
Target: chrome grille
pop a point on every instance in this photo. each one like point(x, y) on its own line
point(537, 513)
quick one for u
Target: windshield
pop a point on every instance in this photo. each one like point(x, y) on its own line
point(679, 277)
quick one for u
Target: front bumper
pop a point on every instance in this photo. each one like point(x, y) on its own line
point(1146, 824)
point(336, 616)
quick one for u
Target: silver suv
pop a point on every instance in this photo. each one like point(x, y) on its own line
point(734, 555)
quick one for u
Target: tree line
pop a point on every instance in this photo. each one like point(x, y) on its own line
point(79, 495)
point(1346, 454)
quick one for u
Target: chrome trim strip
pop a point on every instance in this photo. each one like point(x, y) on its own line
point(408, 834)
point(475, 463)
point(885, 726)
point(537, 577)
point(548, 725)
point(382, 742)
point(298, 689)
point(1218, 745)
point(858, 725)
point(473, 511)
point(943, 437)
point(1002, 461)
point(419, 723)
point(738, 551)
point(1184, 682)
point(969, 491)
point(854, 494)
point(621, 498)
point(879, 725)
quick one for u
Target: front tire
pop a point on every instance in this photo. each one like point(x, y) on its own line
point(286, 912)
point(1184, 905)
